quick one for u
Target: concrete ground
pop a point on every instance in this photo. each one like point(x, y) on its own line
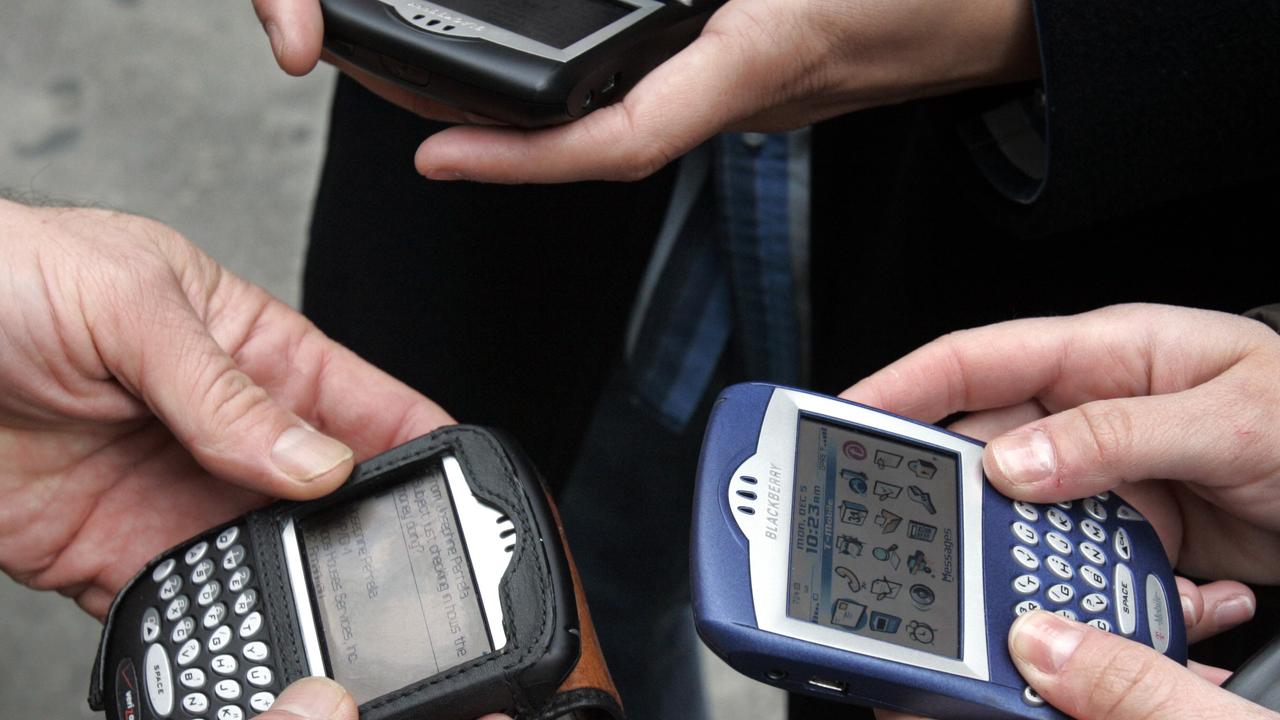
point(173, 110)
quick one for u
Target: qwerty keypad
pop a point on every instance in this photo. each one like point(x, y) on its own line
point(1052, 545)
point(204, 616)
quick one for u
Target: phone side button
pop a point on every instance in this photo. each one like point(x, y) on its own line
point(159, 680)
point(1031, 697)
point(1126, 611)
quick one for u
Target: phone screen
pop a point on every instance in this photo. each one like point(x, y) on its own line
point(394, 588)
point(558, 23)
point(874, 545)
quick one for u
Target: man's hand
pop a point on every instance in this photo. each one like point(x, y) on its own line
point(146, 394)
point(758, 65)
point(1178, 408)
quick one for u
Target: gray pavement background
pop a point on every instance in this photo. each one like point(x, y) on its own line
point(174, 110)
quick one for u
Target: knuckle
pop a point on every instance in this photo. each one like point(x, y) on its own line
point(1110, 430)
point(230, 402)
point(1129, 685)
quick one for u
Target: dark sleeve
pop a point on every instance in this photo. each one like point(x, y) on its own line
point(1142, 103)
point(1268, 315)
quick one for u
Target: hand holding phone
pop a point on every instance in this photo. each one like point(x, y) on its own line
point(852, 554)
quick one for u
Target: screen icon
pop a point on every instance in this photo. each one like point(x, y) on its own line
point(849, 614)
point(921, 595)
point(854, 450)
point(887, 491)
point(844, 573)
point(885, 589)
point(857, 481)
point(920, 632)
point(922, 497)
point(917, 563)
point(888, 521)
point(923, 469)
point(886, 459)
point(848, 545)
point(853, 513)
point(884, 622)
point(920, 531)
point(889, 555)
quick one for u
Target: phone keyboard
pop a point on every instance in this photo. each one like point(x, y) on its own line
point(207, 655)
point(1073, 558)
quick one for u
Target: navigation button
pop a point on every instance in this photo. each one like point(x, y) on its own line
point(1026, 510)
point(1093, 553)
point(1026, 584)
point(1031, 697)
point(1059, 567)
point(1121, 544)
point(1025, 533)
point(1058, 519)
point(1095, 509)
point(1093, 530)
point(1157, 614)
point(159, 680)
point(150, 625)
point(1025, 557)
point(1126, 609)
point(1060, 593)
point(1060, 544)
point(1094, 602)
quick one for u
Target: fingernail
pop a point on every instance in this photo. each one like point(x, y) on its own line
point(442, 174)
point(1233, 611)
point(1188, 610)
point(305, 455)
point(1025, 456)
point(1045, 640)
point(313, 698)
point(276, 38)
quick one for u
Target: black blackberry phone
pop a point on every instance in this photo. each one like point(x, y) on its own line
point(525, 62)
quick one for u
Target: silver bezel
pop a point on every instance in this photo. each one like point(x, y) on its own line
point(769, 531)
point(468, 27)
point(483, 529)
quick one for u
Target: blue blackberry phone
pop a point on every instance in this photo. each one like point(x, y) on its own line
point(848, 553)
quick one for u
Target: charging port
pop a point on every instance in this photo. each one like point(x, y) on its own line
point(831, 686)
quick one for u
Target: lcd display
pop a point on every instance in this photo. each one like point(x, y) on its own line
point(558, 23)
point(874, 548)
point(394, 588)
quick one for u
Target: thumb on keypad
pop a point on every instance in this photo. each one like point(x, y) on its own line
point(313, 698)
point(1091, 674)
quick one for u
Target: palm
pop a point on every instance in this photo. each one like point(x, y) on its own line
point(92, 483)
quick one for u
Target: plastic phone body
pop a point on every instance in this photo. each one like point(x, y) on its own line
point(524, 62)
point(432, 584)
point(852, 554)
